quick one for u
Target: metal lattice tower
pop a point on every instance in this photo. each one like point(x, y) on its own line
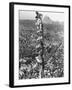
point(40, 38)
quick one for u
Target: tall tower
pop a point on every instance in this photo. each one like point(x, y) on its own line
point(39, 26)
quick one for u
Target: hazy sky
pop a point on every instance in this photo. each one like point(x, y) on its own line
point(31, 15)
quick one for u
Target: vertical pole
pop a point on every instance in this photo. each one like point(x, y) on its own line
point(42, 56)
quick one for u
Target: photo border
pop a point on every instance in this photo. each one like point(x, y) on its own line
point(11, 43)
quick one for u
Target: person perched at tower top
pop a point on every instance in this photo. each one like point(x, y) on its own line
point(38, 15)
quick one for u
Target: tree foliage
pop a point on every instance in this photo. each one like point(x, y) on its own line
point(53, 54)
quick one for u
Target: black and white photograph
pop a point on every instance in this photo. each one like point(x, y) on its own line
point(41, 45)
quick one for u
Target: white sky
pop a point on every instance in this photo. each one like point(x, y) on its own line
point(31, 15)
